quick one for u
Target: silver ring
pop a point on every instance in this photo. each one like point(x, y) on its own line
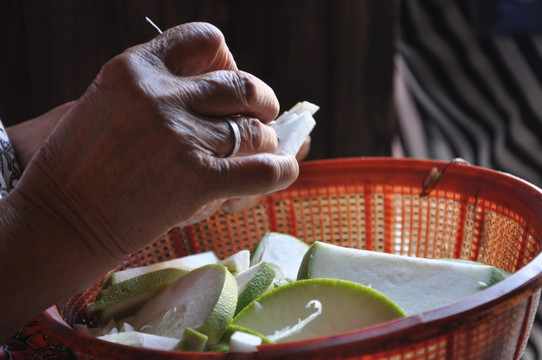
point(236, 137)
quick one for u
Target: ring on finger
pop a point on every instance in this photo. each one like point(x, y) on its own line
point(236, 137)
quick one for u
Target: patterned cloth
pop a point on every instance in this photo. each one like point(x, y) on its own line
point(8, 165)
point(32, 343)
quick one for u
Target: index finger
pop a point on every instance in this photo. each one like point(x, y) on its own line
point(193, 49)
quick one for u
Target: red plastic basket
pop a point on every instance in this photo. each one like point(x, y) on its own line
point(412, 207)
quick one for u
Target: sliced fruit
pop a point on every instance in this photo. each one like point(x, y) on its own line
point(253, 283)
point(317, 307)
point(303, 106)
point(204, 300)
point(496, 273)
point(415, 284)
point(220, 347)
point(244, 342)
point(193, 340)
point(238, 262)
point(125, 298)
point(283, 252)
point(293, 126)
point(231, 329)
point(147, 341)
point(189, 262)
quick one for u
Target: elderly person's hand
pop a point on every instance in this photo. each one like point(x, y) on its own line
point(239, 204)
point(143, 150)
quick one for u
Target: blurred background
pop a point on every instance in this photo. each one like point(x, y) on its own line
point(337, 54)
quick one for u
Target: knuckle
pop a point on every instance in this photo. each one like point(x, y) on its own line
point(259, 136)
point(117, 67)
point(202, 32)
point(127, 73)
point(247, 89)
point(254, 132)
point(212, 35)
point(255, 96)
point(198, 40)
point(122, 71)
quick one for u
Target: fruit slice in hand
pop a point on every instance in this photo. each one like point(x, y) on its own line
point(283, 252)
point(293, 127)
point(253, 283)
point(317, 307)
point(238, 262)
point(301, 107)
point(189, 262)
point(204, 300)
point(138, 339)
point(415, 284)
point(125, 298)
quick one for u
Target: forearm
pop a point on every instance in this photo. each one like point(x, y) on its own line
point(27, 137)
point(44, 261)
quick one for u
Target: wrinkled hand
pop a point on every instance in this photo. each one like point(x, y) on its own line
point(240, 204)
point(142, 150)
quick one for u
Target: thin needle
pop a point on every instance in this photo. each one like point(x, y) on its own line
point(153, 24)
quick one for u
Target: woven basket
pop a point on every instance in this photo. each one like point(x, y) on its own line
point(411, 207)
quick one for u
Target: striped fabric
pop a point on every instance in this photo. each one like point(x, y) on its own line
point(475, 96)
point(463, 93)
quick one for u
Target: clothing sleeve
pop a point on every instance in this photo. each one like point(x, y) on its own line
point(10, 171)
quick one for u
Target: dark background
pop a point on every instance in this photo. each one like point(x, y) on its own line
point(337, 54)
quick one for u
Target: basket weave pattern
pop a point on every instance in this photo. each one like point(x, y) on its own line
point(383, 205)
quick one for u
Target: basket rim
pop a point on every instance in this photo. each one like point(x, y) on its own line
point(427, 325)
point(327, 169)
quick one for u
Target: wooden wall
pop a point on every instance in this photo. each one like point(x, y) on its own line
point(337, 54)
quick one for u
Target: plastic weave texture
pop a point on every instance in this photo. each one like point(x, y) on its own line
point(412, 207)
